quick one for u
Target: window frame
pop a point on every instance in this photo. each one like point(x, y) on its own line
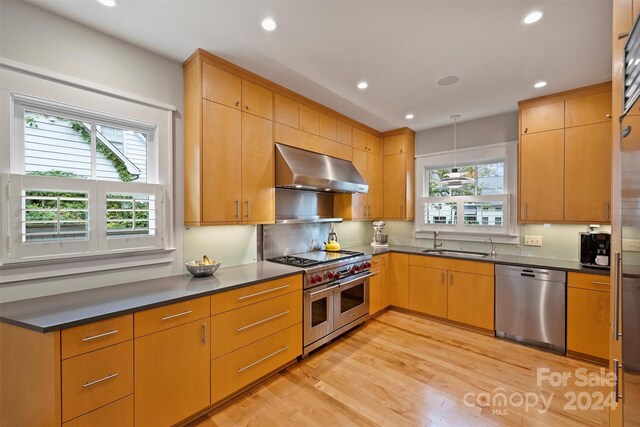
point(508, 232)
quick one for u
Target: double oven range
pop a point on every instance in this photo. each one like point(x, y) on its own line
point(336, 293)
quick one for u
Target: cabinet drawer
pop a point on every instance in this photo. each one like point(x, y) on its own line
point(236, 328)
point(94, 379)
point(451, 264)
point(378, 260)
point(596, 282)
point(118, 413)
point(242, 297)
point(96, 335)
point(242, 367)
point(168, 316)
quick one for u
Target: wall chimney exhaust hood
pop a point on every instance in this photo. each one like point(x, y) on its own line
point(304, 170)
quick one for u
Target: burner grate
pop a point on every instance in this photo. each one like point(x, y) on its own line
point(295, 261)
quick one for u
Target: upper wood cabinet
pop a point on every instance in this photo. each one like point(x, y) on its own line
point(287, 111)
point(344, 133)
point(565, 157)
point(398, 178)
point(542, 118)
point(309, 120)
point(228, 147)
point(328, 127)
point(363, 205)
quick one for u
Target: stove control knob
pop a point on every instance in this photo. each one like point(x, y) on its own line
point(330, 275)
point(356, 268)
point(368, 264)
point(318, 279)
point(312, 280)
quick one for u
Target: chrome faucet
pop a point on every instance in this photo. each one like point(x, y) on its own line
point(493, 246)
point(436, 245)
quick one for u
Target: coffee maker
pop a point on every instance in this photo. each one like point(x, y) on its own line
point(595, 250)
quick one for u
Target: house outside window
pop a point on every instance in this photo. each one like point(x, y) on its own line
point(481, 207)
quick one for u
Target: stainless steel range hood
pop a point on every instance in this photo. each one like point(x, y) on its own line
point(304, 170)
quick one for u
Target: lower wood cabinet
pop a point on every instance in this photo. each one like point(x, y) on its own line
point(172, 374)
point(398, 285)
point(588, 316)
point(118, 413)
point(378, 284)
point(461, 291)
point(234, 371)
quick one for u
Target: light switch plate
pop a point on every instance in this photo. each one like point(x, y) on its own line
point(631, 245)
point(533, 240)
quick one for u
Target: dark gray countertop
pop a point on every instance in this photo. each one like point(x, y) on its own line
point(62, 311)
point(526, 261)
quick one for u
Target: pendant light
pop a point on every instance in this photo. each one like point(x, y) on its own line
point(455, 179)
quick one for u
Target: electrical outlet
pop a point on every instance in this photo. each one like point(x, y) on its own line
point(533, 240)
point(631, 245)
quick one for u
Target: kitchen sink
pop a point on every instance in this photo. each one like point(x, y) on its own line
point(454, 252)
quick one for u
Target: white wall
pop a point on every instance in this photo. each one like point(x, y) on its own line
point(65, 47)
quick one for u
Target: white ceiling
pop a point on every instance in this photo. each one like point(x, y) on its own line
point(321, 49)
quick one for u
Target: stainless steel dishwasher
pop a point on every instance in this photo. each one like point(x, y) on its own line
point(531, 306)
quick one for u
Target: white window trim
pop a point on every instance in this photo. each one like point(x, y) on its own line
point(23, 81)
point(505, 151)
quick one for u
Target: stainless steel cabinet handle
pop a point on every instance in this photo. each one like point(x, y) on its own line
point(451, 279)
point(616, 296)
point(526, 130)
point(262, 292)
point(622, 35)
point(442, 277)
point(204, 333)
point(173, 316)
point(247, 107)
point(248, 209)
point(90, 383)
point(617, 366)
point(525, 211)
point(599, 283)
point(106, 334)
point(313, 294)
point(238, 209)
point(608, 116)
point(260, 322)
point(237, 103)
point(251, 365)
point(626, 131)
point(606, 211)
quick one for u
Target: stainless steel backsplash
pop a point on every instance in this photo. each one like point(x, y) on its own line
point(287, 239)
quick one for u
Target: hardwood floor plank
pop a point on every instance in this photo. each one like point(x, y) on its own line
point(404, 370)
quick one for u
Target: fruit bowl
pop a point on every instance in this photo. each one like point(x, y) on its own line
point(200, 269)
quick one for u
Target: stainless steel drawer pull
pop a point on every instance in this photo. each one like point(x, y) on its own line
point(173, 316)
point(622, 35)
point(617, 366)
point(263, 292)
point(616, 296)
point(106, 334)
point(599, 283)
point(251, 365)
point(90, 383)
point(606, 211)
point(260, 322)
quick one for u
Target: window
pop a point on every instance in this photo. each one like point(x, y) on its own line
point(481, 206)
point(81, 183)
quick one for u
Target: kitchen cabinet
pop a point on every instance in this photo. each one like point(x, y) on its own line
point(344, 133)
point(542, 176)
point(172, 374)
point(398, 174)
point(565, 157)
point(457, 290)
point(328, 127)
point(363, 205)
point(287, 111)
point(296, 138)
point(228, 120)
point(588, 316)
point(587, 173)
point(378, 284)
point(118, 413)
point(309, 120)
point(399, 280)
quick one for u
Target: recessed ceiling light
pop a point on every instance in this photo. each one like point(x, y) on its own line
point(269, 24)
point(109, 3)
point(363, 85)
point(540, 84)
point(409, 116)
point(533, 17)
point(448, 80)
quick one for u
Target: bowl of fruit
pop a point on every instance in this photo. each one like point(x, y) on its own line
point(202, 268)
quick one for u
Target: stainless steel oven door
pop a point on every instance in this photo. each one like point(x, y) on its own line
point(351, 300)
point(318, 312)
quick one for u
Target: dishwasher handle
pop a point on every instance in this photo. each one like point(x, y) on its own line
point(548, 275)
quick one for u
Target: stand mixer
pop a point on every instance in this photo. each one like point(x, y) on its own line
point(379, 239)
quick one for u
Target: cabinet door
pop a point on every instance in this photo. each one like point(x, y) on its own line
point(428, 291)
point(394, 186)
point(360, 139)
point(359, 201)
point(542, 118)
point(172, 378)
point(309, 120)
point(221, 163)
point(587, 110)
point(375, 290)
point(328, 127)
point(374, 179)
point(258, 197)
point(287, 111)
point(374, 146)
point(343, 133)
point(588, 322)
point(542, 176)
point(221, 87)
point(471, 299)
point(395, 144)
point(399, 280)
point(257, 100)
point(587, 174)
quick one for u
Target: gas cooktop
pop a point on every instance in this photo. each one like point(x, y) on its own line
point(309, 259)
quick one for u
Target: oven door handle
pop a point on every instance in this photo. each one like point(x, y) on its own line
point(356, 278)
point(313, 294)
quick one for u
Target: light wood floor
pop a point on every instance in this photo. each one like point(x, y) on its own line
point(403, 370)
